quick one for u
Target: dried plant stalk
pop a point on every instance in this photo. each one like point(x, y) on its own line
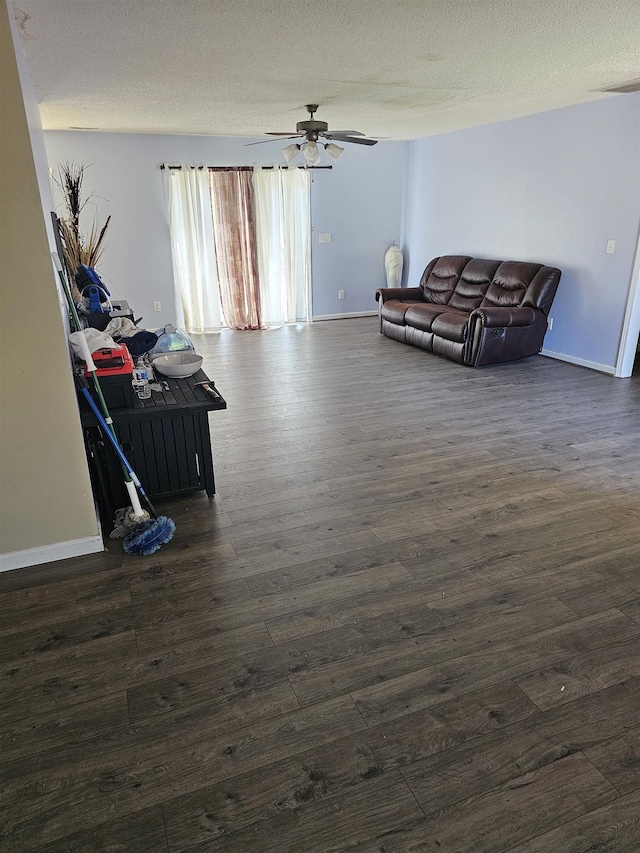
point(77, 249)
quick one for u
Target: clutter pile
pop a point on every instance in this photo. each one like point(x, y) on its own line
point(108, 354)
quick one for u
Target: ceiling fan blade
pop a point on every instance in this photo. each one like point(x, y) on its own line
point(345, 132)
point(262, 141)
point(359, 140)
point(286, 133)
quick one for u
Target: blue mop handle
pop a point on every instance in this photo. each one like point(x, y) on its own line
point(110, 436)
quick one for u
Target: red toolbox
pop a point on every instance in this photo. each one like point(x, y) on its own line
point(115, 373)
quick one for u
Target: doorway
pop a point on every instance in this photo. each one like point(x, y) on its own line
point(628, 361)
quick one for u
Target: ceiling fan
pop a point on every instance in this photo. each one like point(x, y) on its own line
point(313, 132)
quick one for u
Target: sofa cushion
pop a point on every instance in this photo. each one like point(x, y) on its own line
point(473, 284)
point(452, 326)
point(510, 283)
point(439, 281)
point(422, 315)
point(394, 311)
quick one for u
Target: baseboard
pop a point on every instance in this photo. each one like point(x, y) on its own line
point(50, 553)
point(582, 362)
point(345, 316)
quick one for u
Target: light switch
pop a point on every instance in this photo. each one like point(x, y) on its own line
point(611, 245)
point(324, 238)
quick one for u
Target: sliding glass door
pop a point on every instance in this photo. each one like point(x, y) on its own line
point(241, 242)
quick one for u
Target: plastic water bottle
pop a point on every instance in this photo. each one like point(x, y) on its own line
point(141, 380)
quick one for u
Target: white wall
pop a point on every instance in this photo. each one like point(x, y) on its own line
point(553, 188)
point(359, 202)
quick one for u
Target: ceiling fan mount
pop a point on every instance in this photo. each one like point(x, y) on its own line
point(312, 128)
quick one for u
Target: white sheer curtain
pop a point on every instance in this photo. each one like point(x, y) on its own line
point(283, 226)
point(193, 249)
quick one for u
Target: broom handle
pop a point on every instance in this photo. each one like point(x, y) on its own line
point(134, 482)
point(67, 292)
point(91, 367)
point(123, 459)
point(106, 422)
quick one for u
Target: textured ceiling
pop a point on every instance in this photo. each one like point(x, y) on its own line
point(395, 68)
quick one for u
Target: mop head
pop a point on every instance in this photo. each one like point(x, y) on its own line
point(126, 521)
point(147, 537)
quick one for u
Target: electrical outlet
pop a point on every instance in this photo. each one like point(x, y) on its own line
point(611, 245)
point(324, 238)
point(341, 294)
point(157, 306)
point(549, 323)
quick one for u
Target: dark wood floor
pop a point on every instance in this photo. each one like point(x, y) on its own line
point(409, 621)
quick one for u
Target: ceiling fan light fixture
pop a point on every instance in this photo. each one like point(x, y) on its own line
point(334, 151)
point(311, 153)
point(291, 152)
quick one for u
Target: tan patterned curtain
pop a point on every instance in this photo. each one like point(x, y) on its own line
point(234, 234)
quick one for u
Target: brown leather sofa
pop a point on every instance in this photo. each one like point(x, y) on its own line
point(471, 310)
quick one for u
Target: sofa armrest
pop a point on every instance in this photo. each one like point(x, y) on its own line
point(404, 294)
point(495, 317)
point(504, 334)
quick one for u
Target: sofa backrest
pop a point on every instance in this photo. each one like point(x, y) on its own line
point(542, 289)
point(510, 284)
point(473, 284)
point(468, 283)
point(440, 278)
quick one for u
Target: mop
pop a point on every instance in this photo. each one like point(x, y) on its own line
point(149, 530)
point(144, 532)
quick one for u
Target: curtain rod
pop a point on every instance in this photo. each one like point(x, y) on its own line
point(241, 168)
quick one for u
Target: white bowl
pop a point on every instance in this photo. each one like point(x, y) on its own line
point(177, 364)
